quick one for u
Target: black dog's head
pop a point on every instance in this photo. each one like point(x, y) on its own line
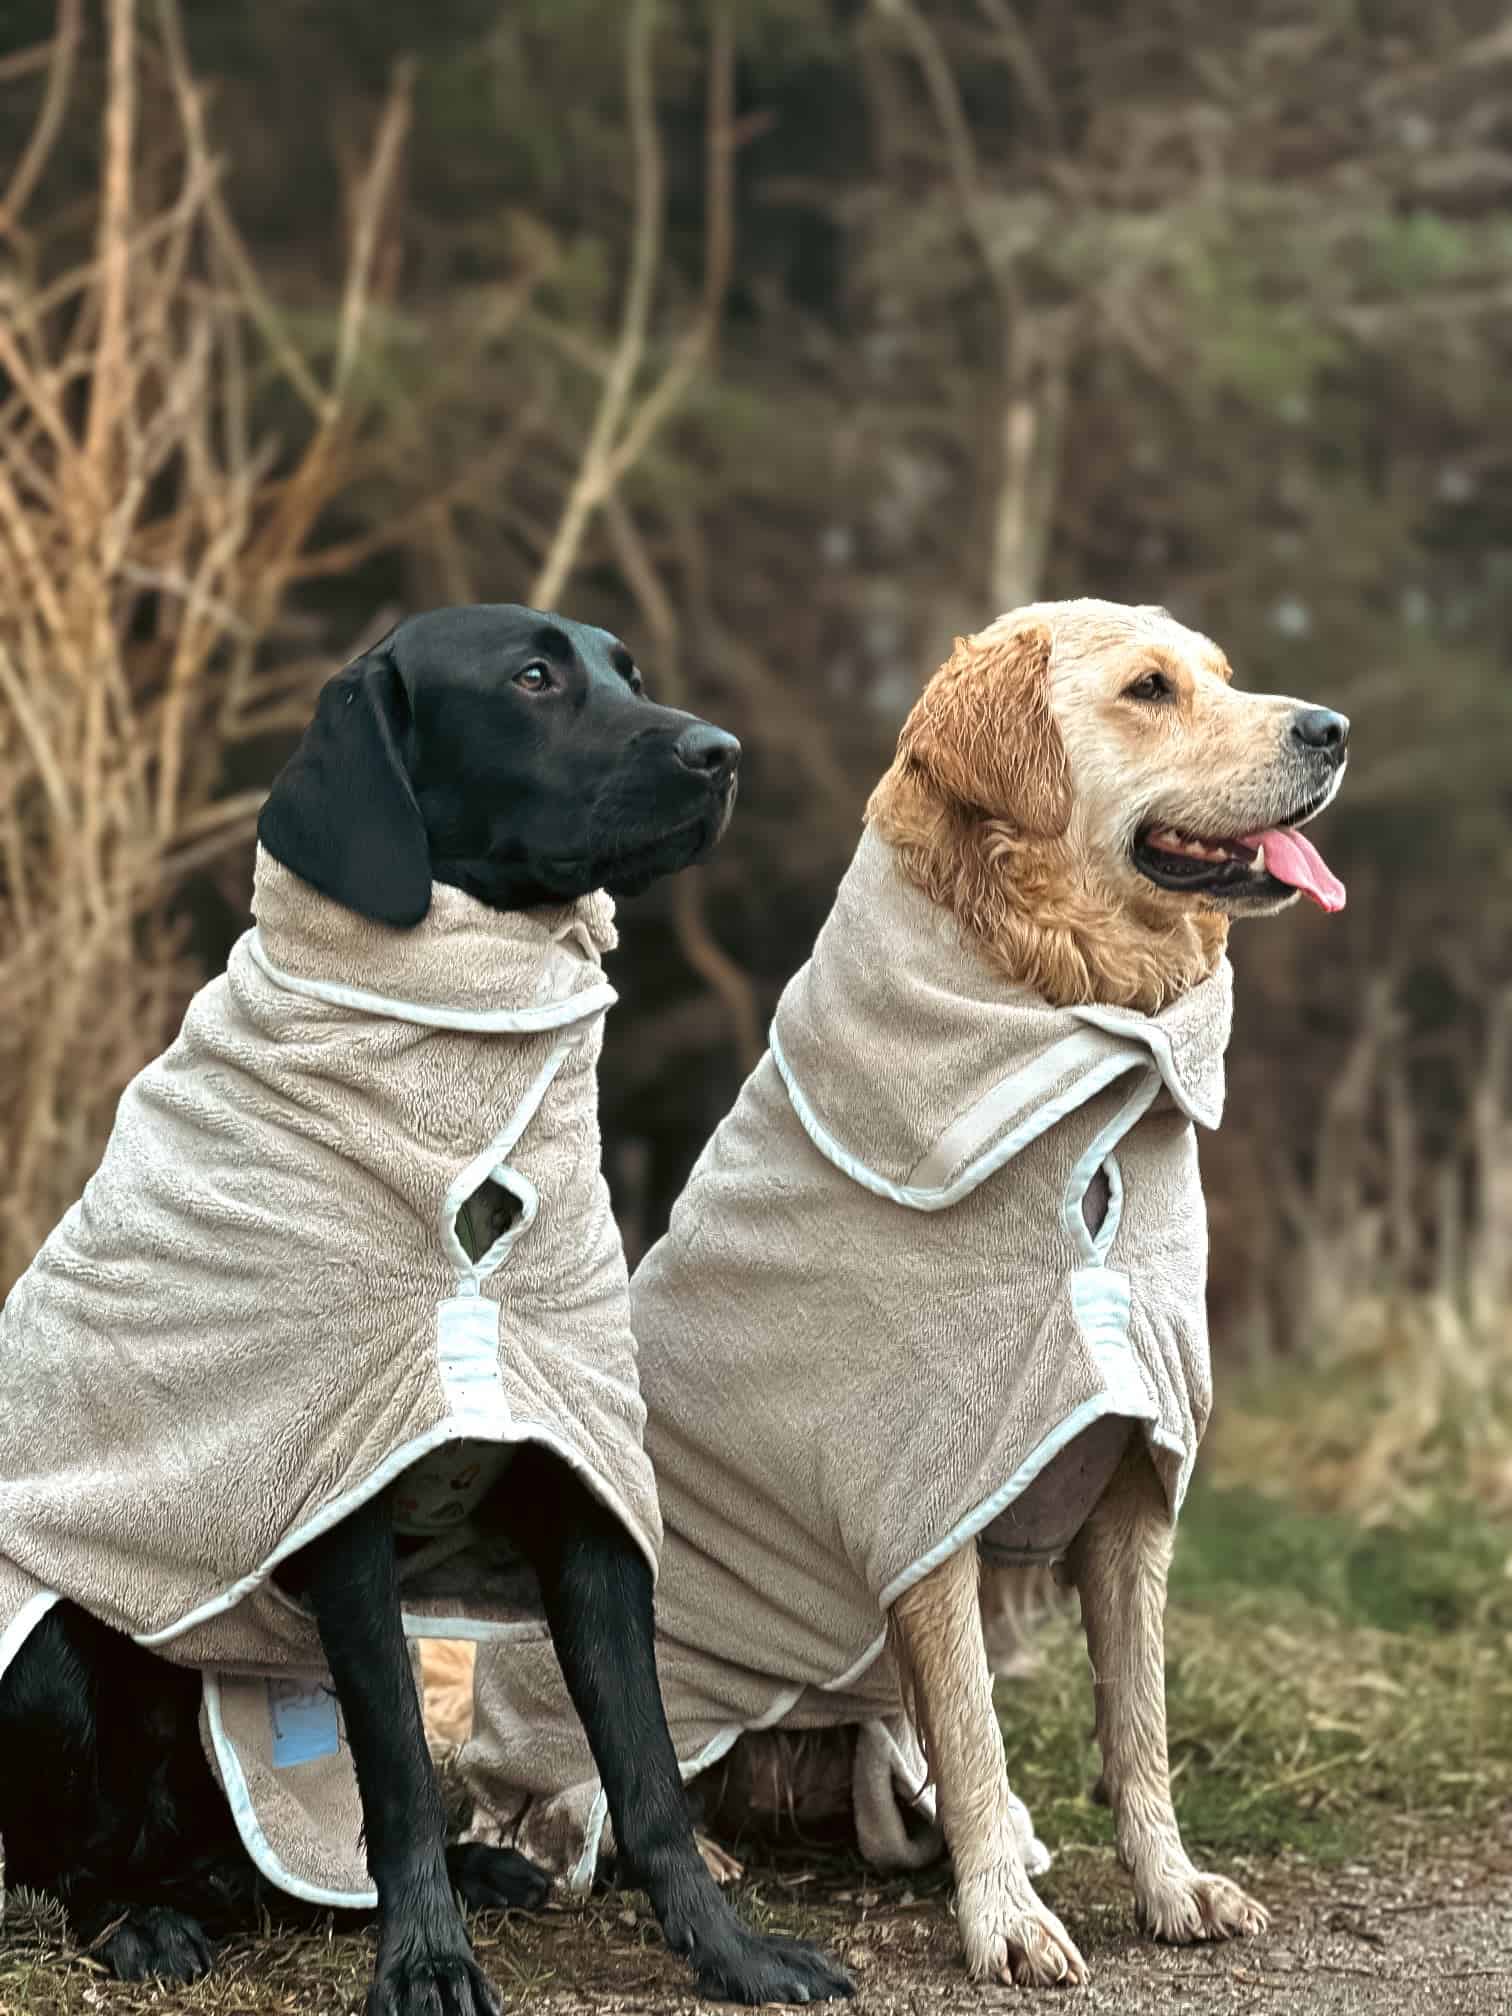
point(509, 752)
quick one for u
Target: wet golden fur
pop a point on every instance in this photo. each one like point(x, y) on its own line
point(1021, 779)
point(1023, 773)
point(446, 1668)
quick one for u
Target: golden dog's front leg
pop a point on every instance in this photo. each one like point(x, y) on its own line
point(1119, 1563)
point(1007, 1932)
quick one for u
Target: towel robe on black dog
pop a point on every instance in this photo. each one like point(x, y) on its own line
point(877, 1315)
point(260, 1313)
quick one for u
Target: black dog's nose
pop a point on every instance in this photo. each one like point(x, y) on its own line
point(1320, 728)
point(709, 749)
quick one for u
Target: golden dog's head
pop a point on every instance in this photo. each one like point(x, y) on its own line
point(1084, 787)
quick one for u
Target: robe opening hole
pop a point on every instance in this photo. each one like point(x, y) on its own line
point(1094, 1203)
point(487, 1215)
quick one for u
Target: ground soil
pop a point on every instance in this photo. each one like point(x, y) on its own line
point(1425, 1930)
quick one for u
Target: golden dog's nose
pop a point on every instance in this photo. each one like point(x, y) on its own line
point(1320, 729)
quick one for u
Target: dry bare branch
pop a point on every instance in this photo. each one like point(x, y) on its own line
point(251, 292)
point(730, 985)
point(719, 244)
point(708, 958)
point(955, 130)
point(621, 434)
point(59, 56)
point(145, 551)
point(589, 488)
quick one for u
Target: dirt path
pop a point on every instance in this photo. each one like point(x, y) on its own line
point(1431, 1940)
point(1435, 1940)
point(1422, 1934)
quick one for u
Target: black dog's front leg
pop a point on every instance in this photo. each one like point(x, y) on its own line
point(425, 1960)
point(597, 1591)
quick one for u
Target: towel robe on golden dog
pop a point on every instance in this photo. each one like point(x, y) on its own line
point(260, 1313)
point(877, 1315)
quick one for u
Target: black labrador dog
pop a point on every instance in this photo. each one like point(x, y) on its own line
point(516, 756)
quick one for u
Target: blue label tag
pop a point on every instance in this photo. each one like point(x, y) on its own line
point(305, 1725)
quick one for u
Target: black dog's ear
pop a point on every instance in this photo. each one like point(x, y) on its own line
point(342, 811)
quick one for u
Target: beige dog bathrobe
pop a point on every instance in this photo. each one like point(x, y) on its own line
point(260, 1313)
point(876, 1317)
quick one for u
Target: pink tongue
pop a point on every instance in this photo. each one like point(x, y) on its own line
point(1292, 858)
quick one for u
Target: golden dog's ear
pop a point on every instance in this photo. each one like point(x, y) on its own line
point(982, 731)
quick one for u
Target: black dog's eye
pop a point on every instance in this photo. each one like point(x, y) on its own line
point(534, 677)
point(637, 685)
point(1153, 686)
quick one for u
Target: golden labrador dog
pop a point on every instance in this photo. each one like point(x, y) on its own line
point(1089, 795)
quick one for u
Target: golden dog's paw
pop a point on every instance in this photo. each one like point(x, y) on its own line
point(719, 1862)
point(1184, 1907)
point(1011, 1937)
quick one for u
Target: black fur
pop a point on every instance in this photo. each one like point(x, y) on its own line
point(445, 754)
point(429, 760)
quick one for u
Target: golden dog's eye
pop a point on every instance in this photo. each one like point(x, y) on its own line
point(1153, 686)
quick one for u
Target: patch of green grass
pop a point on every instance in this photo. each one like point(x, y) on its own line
point(1446, 1571)
point(1325, 1684)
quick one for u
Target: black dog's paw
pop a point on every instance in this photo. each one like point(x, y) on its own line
point(753, 1969)
point(732, 1963)
point(420, 1980)
point(153, 1943)
point(496, 1879)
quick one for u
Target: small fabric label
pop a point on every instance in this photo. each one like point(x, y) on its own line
point(446, 1487)
point(305, 1722)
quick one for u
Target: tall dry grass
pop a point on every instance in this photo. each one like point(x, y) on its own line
point(149, 535)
